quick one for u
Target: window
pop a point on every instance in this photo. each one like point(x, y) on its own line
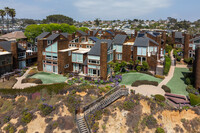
point(50, 42)
point(191, 45)
point(88, 46)
point(94, 72)
point(55, 63)
point(66, 66)
point(119, 56)
point(48, 62)
point(82, 39)
point(94, 62)
point(80, 46)
point(77, 58)
point(141, 51)
point(69, 53)
point(76, 40)
point(141, 59)
point(118, 48)
point(70, 45)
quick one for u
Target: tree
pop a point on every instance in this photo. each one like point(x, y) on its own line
point(29, 21)
point(97, 21)
point(2, 14)
point(12, 14)
point(58, 18)
point(84, 29)
point(7, 13)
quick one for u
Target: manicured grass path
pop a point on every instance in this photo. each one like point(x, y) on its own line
point(48, 78)
point(177, 83)
point(129, 78)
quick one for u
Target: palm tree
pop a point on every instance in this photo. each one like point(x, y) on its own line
point(2, 14)
point(7, 13)
point(12, 14)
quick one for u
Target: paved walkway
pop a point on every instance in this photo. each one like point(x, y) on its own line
point(148, 90)
point(171, 72)
point(20, 85)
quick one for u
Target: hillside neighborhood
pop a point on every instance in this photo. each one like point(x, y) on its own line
point(107, 76)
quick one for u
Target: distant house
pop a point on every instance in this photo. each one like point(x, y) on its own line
point(13, 36)
point(18, 53)
point(6, 62)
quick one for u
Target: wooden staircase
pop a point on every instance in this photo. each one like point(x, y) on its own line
point(81, 121)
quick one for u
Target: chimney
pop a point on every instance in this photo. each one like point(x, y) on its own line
point(41, 45)
point(173, 37)
point(136, 33)
point(186, 45)
point(103, 60)
point(14, 47)
point(91, 33)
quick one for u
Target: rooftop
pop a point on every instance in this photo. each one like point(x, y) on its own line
point(82, 50)
point(69, 49)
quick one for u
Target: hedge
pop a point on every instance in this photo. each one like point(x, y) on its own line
point(166, 89)
point(167, 65)
point(159, 98)
point(32, 80)
point(144, 82)
point(50, 88)
point(194, 99)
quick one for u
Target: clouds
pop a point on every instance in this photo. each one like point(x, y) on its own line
point(27, 9)
point(112, 9)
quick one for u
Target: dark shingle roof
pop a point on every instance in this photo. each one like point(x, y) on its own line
point(52, 37)
point(95, 50)
point(64, 34)
point(42, 35)
point(144, 41)
point(94, 32)
point(120, 39)
point(82, 33)
point(110, 32)
point(94, 39)
point(141, 34)
point(178, 35)
point(6, 45)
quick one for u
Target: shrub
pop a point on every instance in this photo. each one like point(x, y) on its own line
point(6, 119)
point(166, 89)
point(9, 128)
point(150, 121)
point(127, 105)
point(188, 81)
point(194, 99)
point(160, 76)
point(175, 53)
point(46, 109)
point(144, 82)
point(191, 69)
point(167, 65)
point(191, 89)
point(32, 80)
point(138, 68)
point(26, 117)
point(168, 48)
point(178, 58)
point(160, 130)
point(188, 60)
point(159, 98)
point(145, 66)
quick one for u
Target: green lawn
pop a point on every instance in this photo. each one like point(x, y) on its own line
point(48, 78)
point(177, 83)
point(129, 78)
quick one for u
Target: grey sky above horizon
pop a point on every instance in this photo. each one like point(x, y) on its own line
point(82, 10)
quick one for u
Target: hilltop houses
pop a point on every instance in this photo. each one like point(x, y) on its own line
point(88, 54)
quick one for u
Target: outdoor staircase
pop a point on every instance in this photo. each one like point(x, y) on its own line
point(82, 126)
point(81, 121)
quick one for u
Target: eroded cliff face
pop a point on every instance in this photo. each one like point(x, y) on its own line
point(145, 118)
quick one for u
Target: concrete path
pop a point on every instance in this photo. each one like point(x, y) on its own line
point(171, 72)
point(148, 90)
point(20, 85)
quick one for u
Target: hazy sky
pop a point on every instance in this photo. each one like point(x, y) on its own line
point(106, 9)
